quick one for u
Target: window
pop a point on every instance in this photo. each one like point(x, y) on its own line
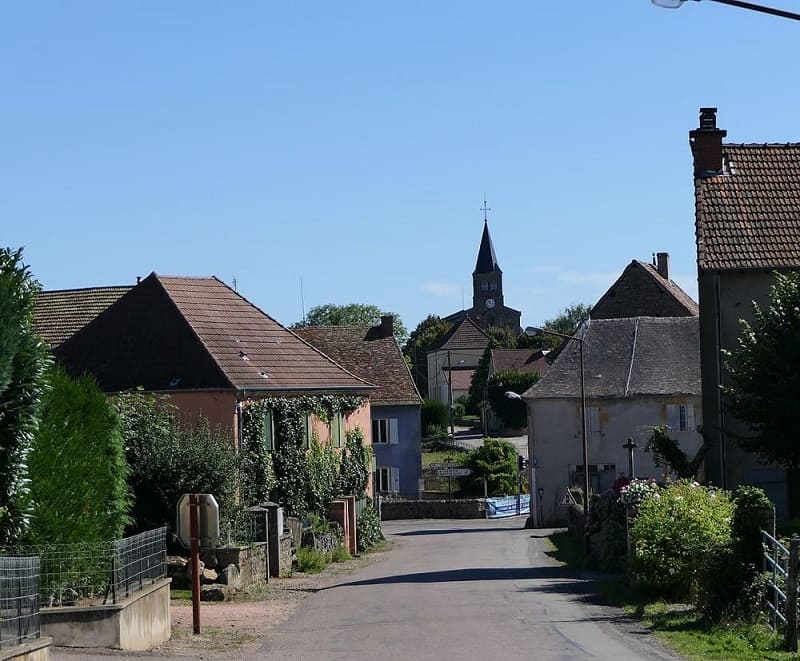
point(387, 479)
point(593, 419)
point(493, 285)
point(384, 431)
point(484, 285)
point(269, 432)
point(680, 417)
point(337, 430)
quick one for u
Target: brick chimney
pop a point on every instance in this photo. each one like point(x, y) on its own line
point(706, 143)
point(662, 264)
point(387, 325)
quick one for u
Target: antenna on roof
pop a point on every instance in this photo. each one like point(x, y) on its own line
point(234, 284)
point(302, 301)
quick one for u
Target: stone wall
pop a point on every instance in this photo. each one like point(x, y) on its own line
point(251, 561)
point(473, 508)
point(324, 542)
point(286, 554)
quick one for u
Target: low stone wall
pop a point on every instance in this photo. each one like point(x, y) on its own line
point(251, 561)
point(138, 623)
point(286, 554)
point(473, 508)
point(324, 542)
point(33, 650)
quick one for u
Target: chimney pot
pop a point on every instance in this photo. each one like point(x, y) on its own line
point(662, 264)
point(387, 325)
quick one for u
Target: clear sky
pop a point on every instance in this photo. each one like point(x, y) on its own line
point(350, 144)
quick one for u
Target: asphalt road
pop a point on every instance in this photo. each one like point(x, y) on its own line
point(461, 590)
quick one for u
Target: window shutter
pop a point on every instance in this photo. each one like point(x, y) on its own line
point(394, 437)
point(395, 479)
point(673, 417)
point(690, 423)
point(593, 419)
point(307, 428)
point(269, 432)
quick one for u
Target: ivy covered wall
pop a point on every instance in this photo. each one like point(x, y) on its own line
point(304, 451)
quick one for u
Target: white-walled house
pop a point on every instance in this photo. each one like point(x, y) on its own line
point(639, 373)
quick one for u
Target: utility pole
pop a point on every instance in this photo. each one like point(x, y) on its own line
point(450, 398)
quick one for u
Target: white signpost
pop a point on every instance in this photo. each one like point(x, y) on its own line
point(453, 472)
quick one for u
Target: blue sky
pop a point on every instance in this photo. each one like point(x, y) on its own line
point(350, 144)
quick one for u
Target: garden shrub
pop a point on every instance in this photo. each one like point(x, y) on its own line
point(340, 554)
point(609, 532)
point(309, 560)
point(674, 530)
point(355, 465)
point(78, 468)
point(167, 461)
point(495, 460)
point(368, 528)
point(323, 468)
point(24, 360)
point(434, 414)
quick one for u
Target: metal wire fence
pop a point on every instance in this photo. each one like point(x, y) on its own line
point(19, 600)
point(95, 574)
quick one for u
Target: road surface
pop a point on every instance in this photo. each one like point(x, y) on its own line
point(461, 590)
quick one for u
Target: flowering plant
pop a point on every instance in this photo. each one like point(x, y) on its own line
point(637, 490)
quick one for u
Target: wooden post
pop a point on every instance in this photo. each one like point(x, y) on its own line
point(791, 595)
point(194, 537)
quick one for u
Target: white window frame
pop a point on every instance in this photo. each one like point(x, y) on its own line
point(383, 478)
point(385, 431)
point(680, 417)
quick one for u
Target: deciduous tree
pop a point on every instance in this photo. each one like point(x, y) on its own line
point(352, 314)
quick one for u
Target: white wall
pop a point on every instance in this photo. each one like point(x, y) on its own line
point(555, 440)
point(437, 360)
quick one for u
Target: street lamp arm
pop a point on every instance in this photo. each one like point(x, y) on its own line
point(533, 330)
point(675, 4)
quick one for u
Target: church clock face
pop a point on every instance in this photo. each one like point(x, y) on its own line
point(490, 303)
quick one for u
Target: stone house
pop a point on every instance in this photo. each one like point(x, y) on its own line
point(373, 354)
point(639, 372)
point(747, 222)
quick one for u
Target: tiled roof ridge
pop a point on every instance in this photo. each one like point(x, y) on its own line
point(667, 284)
point(196, 335)
point(289, 330)
point(782, 145)
point(80, 289)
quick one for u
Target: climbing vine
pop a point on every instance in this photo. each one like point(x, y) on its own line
point(303, 477)
point(355, 466)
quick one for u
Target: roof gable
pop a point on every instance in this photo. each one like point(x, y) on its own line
point(627, 357)
point(464, 335)
point(749, 217)
point(197, 333)
point(59, 314)
point(374, 358)
point(640, 291)
point(520, 360)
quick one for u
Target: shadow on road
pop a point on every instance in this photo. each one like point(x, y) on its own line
point(453, 531)
point(472, 574)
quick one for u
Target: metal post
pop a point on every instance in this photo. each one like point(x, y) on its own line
point(194, 535)
point(585, 455)
point(519, 487)
point(791, 595)
point(450, 398)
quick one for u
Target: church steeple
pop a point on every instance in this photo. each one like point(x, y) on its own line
point(487, 260)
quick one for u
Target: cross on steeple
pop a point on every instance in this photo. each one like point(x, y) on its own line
point(485, 209)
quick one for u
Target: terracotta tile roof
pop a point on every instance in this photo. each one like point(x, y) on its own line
point(59, 314)
point(176, 333)
point(520, 360)
point(642, 292)
point(627, 358)
point(749, 217)
point(465, 335)
point(366, 353)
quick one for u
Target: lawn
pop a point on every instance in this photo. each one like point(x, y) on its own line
point(679, 625)
point(441, 455)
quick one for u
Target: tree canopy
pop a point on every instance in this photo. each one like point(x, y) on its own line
point(352, 314)
point(422, 339)
point(565, 323)
point(764, 375)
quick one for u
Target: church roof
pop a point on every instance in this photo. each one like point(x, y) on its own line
point(487, 260)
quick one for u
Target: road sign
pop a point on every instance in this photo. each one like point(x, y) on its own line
point(208, 520)
point(438, 465)
point(568, 499)
point(453, 472)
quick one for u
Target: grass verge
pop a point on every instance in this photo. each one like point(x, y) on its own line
point(679, 625)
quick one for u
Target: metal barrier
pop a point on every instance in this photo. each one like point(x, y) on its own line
point(19, 600)
point(90, 574)
point(776, 562)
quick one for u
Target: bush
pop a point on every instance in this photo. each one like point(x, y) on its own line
point(77, 467)
point(167, 461)
point(495, 460)
point(675, 529)
point(309, 560)
point(368, 528)
point(434, 414)
point(340, 554)
point(355, 467)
